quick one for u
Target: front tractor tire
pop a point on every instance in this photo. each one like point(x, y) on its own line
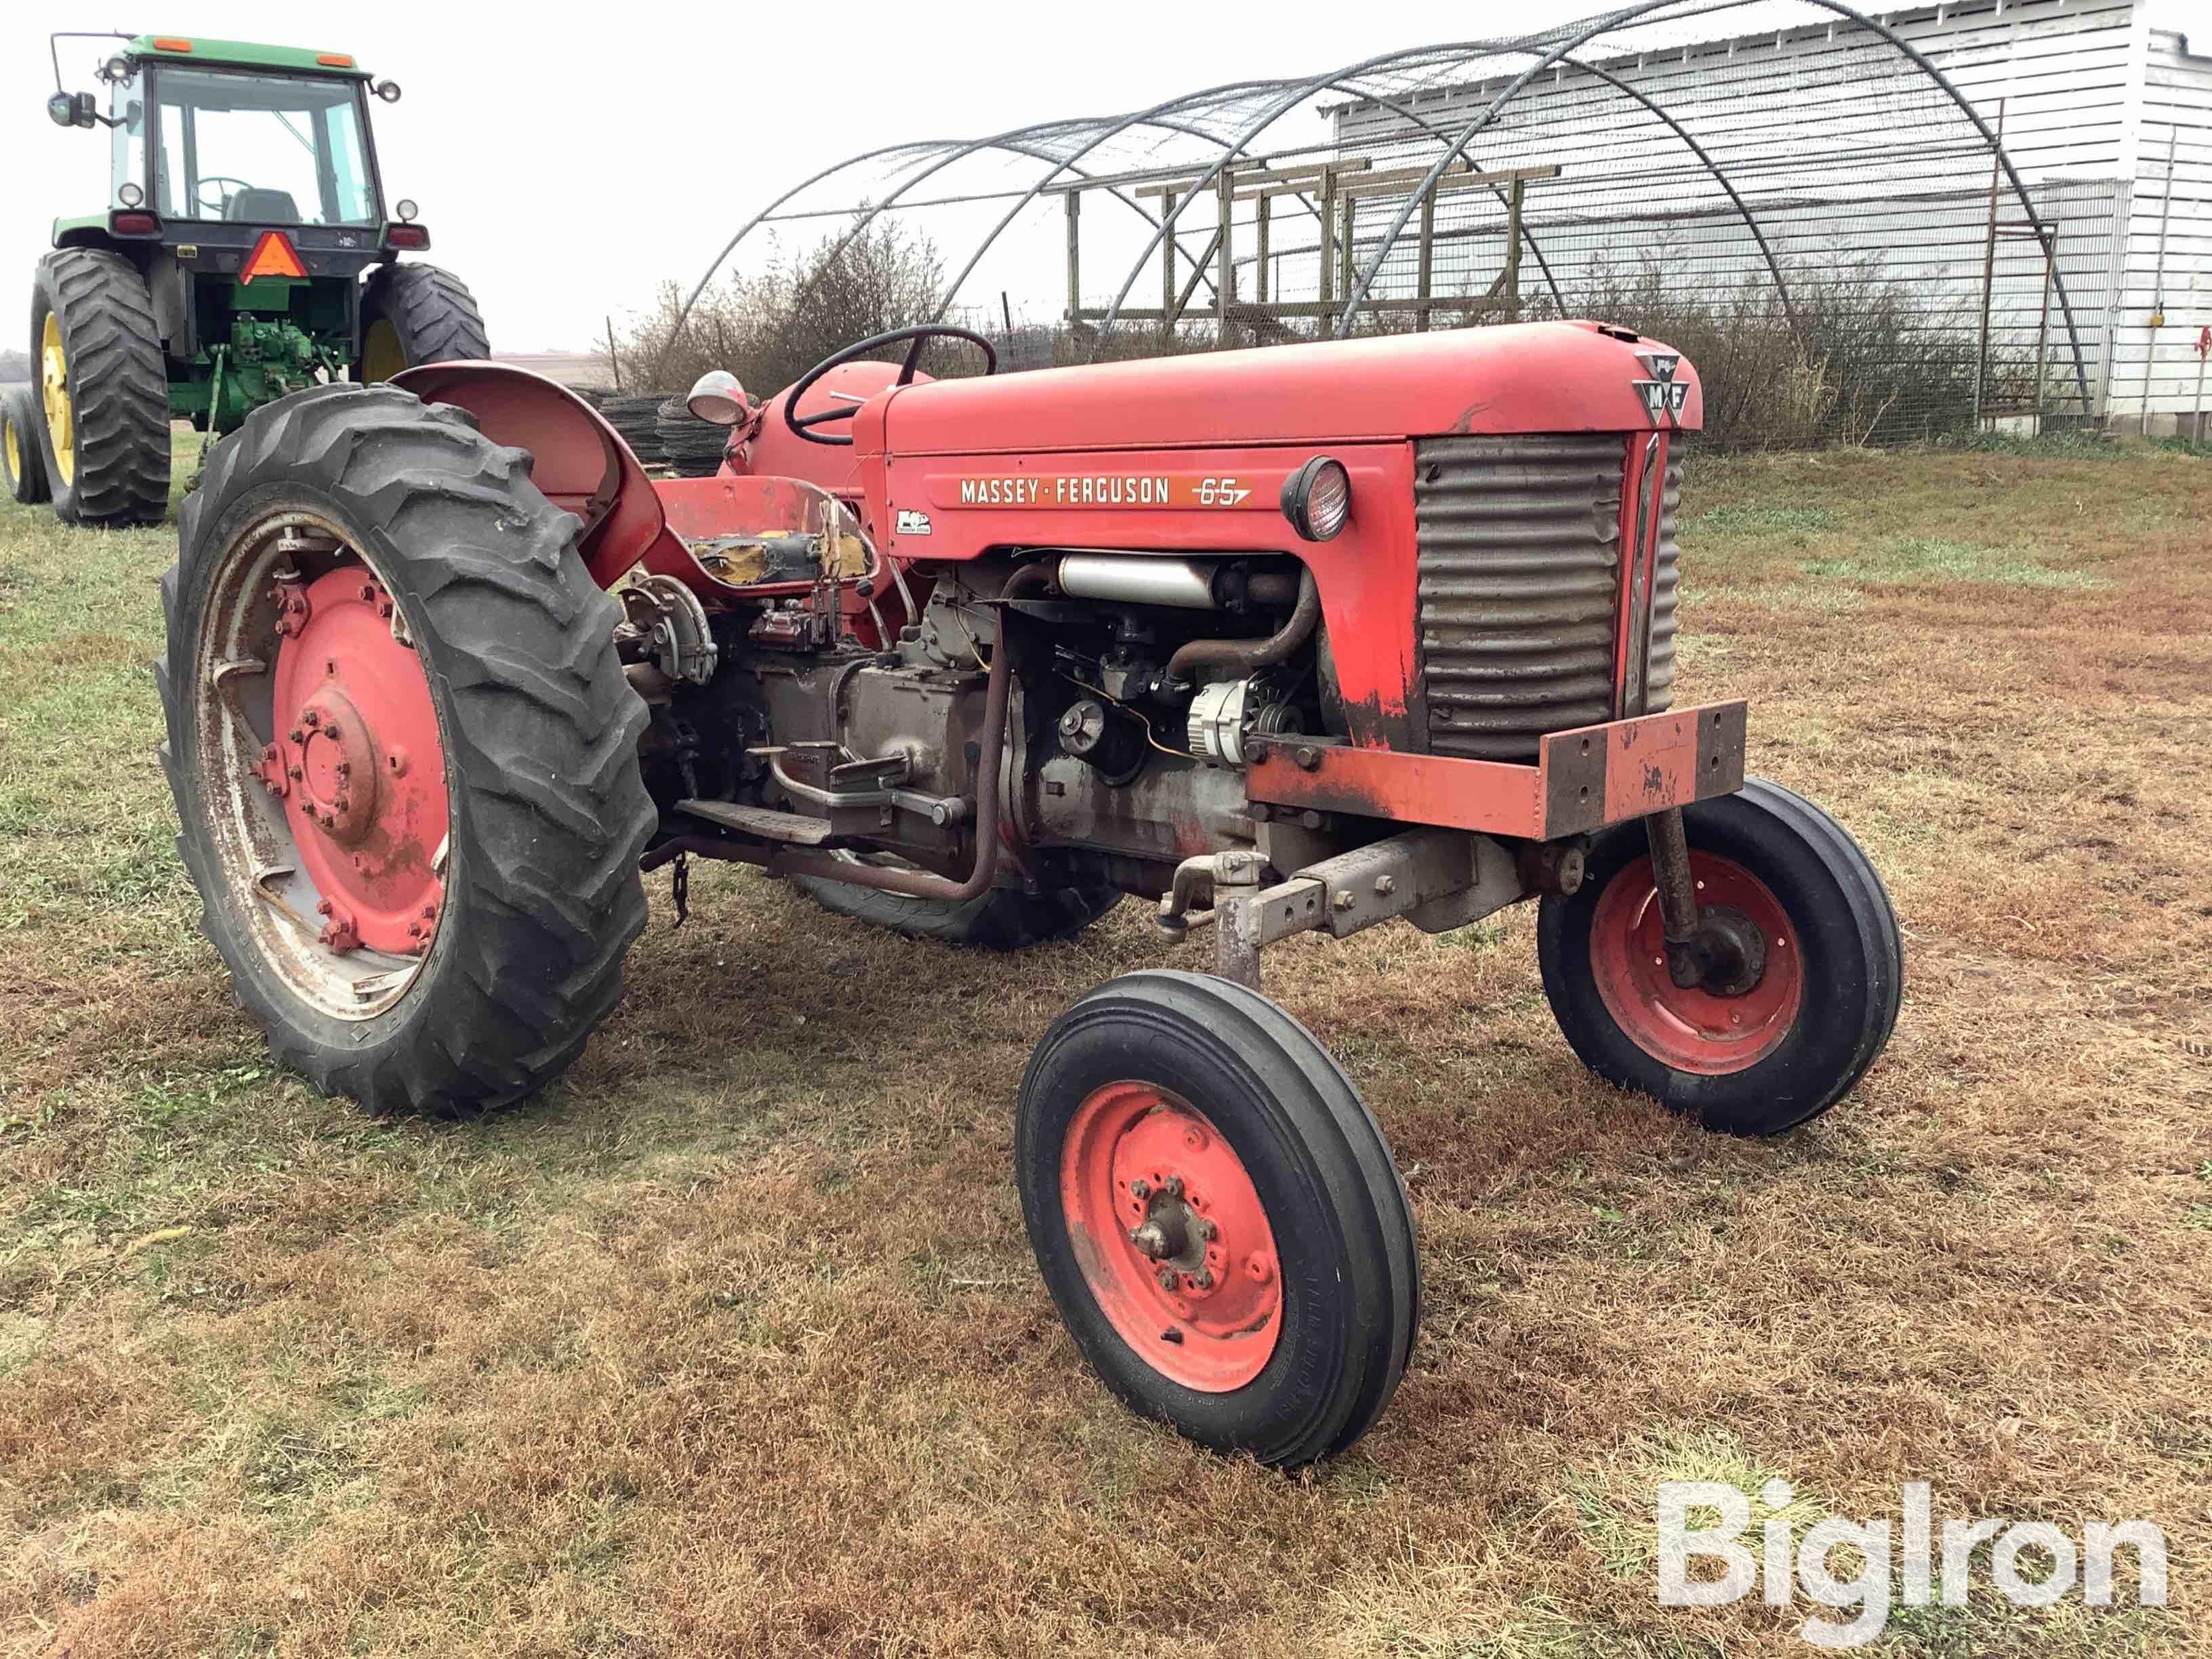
point(402, 752)
point(1217, 1216)
point(1776, 1039)
point(102, 388)
point(20, 454)
point(416, 314)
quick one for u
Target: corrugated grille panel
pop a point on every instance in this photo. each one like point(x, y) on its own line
point(1519, 582)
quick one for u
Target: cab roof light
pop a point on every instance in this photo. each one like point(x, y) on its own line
point(334, 60)
point(171, 43)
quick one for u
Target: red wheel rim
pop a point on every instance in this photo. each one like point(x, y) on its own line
point(357, 763)
point(1138, 1157)
point(1693, 1029)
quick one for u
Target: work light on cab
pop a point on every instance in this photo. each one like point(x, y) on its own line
point(1317, 498)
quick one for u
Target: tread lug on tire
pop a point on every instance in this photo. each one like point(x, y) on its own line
point(1217, 1216)
point(500, 649)
point(117, 470)
point(1753, 1061)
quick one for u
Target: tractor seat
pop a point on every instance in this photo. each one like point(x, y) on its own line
point(262, 206)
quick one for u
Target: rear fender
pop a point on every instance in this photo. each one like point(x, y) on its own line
point(582, 465)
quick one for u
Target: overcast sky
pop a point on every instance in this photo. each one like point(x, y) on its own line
point(568, 158)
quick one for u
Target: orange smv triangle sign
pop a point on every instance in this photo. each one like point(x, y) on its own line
point(272, 256)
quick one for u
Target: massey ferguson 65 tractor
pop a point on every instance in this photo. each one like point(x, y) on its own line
point(246, 252)
point(1311, 638)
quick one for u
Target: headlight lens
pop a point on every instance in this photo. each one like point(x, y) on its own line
point(1317, 498)
point(130, 195)
point(406, 209)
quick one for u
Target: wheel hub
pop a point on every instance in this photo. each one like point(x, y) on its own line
point(1180, 1253)
point(353, 712)
point(1749, 983)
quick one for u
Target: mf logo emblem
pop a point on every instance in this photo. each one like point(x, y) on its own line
point(1662, 394)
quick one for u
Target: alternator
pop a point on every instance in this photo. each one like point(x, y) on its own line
point(1223, 715)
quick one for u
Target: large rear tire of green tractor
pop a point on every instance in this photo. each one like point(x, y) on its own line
point(103, 390)
point(1002, 919)
point(416, 314)
point(402, 752)
point(21, 458)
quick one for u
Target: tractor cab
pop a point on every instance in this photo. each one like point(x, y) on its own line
point(246, 246)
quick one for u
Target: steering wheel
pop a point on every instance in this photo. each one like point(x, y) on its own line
point(921, 334)
point(200, 190)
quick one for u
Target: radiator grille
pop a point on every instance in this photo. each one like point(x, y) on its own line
point(1520, 579)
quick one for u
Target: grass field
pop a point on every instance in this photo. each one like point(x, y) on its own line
point(731, 1343)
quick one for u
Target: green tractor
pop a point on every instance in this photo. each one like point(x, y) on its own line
point(246, 252)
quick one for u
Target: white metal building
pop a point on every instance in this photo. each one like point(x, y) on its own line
point(2107, 120)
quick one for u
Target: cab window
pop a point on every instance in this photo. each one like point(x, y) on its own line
point(260, 149)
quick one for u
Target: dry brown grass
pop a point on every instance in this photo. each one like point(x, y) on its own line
point(732, 1343)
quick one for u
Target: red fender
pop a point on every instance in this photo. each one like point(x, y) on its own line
point(581, 463)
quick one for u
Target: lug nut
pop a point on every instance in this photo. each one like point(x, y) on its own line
point(311, 719)
point(1207, 1229)
point(369, 593)
point(430, 912)
point(1172, 1186)
point(1167, 1278)
point(1203, 1279)
point(332, 732)
point(322, 907)
point(296, 735)
point(1140, 1187)
point(414, 930)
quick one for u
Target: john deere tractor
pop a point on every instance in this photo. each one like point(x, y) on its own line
point(246, 252)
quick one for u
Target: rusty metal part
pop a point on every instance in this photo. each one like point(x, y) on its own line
point(1551, 866)
point(918, 883)
point(1678, 893)
point(1582, 779)
point(1246, 655)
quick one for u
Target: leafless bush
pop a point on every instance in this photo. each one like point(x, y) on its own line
point(770, 326)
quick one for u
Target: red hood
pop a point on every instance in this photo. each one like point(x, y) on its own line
point(1522, 377)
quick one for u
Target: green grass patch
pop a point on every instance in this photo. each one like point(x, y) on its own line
point(1936, 559)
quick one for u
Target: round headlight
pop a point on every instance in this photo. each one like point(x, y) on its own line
point(130, 195)
point(387, 90)
point(1317, 498)
point(406, 210)
point(717, 397)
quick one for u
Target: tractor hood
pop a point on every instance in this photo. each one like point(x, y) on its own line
point(1522, 377)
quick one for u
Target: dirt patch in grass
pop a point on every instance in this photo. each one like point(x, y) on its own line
point(731, 1343)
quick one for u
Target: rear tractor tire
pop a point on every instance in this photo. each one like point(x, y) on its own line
point(402, 752)
point(1217, 1216)
point(1002, 919)
point(416, 314)
point(102, 388)
point(1795, 1027)
point(21, 458)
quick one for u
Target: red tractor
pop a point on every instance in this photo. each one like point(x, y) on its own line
point(1306, 638)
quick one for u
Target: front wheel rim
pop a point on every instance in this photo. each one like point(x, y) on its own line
point(1171, 1237)
point(322, 771)
point(1691, 1028)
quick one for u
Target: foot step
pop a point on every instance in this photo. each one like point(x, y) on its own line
point(792, 828)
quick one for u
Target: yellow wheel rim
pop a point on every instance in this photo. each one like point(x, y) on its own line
point(53, 388)
point(13, 447)
point(381, 354)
